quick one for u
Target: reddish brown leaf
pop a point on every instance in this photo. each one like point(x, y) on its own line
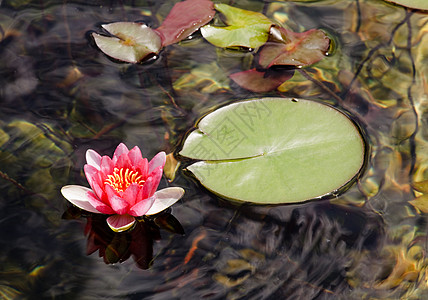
point(185, 18)
point(260, 82)
point(294, 49)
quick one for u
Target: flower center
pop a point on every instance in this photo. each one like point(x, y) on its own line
point(122, 178)
point(128, 42)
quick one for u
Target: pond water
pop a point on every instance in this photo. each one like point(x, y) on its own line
point(59, 96)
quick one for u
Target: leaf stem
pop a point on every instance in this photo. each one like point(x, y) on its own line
point(16, 183)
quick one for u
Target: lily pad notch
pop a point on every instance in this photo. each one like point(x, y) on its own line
point(276, 151)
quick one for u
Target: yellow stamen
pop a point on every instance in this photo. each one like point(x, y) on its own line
point(122, 178)
point(128, 42)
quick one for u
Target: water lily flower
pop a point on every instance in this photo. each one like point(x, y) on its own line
point(123, 186)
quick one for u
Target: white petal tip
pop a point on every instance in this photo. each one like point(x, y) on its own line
point(120, 223)
point(93, 158)
point(77, 195)
point(157, 161)
point(165, 198)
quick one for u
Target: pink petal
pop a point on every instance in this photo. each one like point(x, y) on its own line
point(100, 206)
point(120, 223)
point(141, 207)
point(99, 192)
point(93, 159)
point(158, 160)
point(135, 156)
point(78, 195)
point(110, 191)
point(164, 199)
point(117, 203)
point(123, 162)
point(131, 193)
point(156, 176)
point(106, 167)
point(94, 180)
point(146, 190)
point(143, 167)
point(120, 150)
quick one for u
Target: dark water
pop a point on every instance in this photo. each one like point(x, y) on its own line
point(59, 96)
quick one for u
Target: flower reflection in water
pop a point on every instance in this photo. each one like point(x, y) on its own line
point(117, 247)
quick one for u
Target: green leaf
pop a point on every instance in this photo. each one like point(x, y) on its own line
point(420, 203)
point(245, 28)
point(275, 150)
point(421, 186)
point(418, 4)
point(132, 41)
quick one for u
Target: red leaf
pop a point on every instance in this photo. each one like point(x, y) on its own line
point(294, 49)
point(185, 18)
point(260, 82)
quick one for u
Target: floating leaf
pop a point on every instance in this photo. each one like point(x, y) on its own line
point(132, 41)
point(275, 150)
point(421, 186)
point(294, 49)
point(260, 82)
point(171, 167)
point(418, 4)
point(420, 203)
point(245, 28)
point(185, 18)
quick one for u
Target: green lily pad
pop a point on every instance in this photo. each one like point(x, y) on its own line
point(245, 28)
point(418, 4)
point(131, 42)
point(275, 150)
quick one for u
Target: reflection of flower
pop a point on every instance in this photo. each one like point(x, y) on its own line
point(118, 247)
point(123, 186)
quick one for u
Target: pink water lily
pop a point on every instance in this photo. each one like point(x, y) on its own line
point(123, 186)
